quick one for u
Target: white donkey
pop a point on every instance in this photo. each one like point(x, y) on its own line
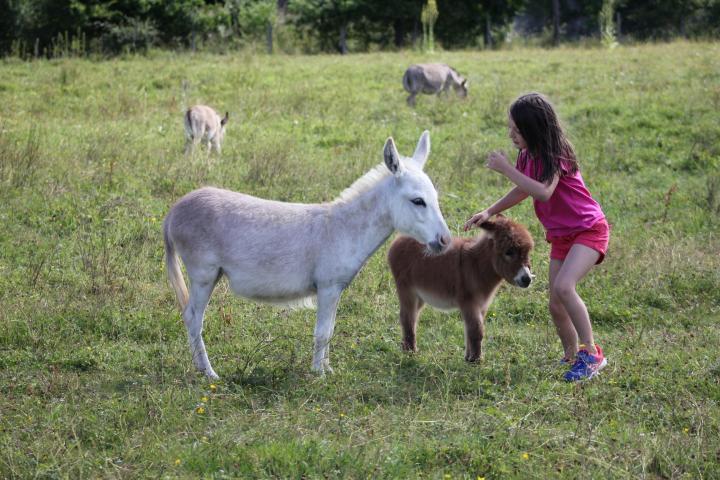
point(203, 123)
point(293, 253)
point(432, 78)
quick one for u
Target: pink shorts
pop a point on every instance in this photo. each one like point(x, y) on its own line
point(595, 237)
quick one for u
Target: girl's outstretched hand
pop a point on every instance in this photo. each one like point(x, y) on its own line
point(476, 220)
point(497, 161)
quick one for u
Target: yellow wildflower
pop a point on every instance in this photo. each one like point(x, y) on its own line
point(177, 461)
point(213, 387)
point(525, 456)
point(200, 410)
point(204, 399)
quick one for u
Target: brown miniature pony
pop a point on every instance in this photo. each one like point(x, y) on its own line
point(465, 277)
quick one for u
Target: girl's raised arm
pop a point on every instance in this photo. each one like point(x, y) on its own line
point(538, 190)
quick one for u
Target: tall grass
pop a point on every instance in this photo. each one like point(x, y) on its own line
point(95, 372)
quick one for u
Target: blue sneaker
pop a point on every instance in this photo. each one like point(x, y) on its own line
point(586, 365)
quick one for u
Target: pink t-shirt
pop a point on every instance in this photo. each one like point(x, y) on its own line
point(570, 209)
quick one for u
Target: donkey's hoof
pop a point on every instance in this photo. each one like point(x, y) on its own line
point(328, 369)
point(210, 373)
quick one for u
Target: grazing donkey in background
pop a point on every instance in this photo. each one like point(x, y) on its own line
point(465, 277)
point(203, 123)
point(288, 253)
point(432, 78)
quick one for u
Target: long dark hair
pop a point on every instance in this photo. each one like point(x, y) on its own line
point(535, 119)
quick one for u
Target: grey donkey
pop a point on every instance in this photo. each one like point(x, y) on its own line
point(433, 78)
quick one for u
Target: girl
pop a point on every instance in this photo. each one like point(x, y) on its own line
point(575, 225)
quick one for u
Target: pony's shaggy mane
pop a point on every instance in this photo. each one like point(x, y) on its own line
point(364, 183)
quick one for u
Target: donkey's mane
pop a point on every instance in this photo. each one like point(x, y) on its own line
point(364, 183)
point(452, 69)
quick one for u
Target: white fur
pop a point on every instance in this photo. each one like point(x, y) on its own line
point(288, 252)
point(202, 123)
point(524, 272)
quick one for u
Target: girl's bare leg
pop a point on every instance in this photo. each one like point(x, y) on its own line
point(576, 265)
point(563, 325)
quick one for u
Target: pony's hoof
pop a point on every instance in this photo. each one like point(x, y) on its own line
point(472, 358)
point(408, 347)
point(210, 373)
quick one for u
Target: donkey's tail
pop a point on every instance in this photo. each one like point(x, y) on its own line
point(407, 85)
point(188, 123)
point(173, 269)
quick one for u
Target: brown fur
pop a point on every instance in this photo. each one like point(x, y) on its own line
point(465, 277)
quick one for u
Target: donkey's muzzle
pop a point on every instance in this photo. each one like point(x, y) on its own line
point(524, 281)
point(441, 242)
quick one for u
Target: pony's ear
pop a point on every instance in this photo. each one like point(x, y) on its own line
point(225, 119)
point(422, 151)
point(392, 157)
point(493, 225)
point(488, 225)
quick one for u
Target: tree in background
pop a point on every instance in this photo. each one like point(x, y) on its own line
point(556, 21)
point(428, 17)
point(329, 20)
point(391, 23)
point(255, 19)
point(608, 34)
point(468, 23)
point(665, 19)
point(559, 20)
point(8, 25)
point(77, 27)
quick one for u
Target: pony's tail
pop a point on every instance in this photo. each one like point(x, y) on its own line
point(177, 282)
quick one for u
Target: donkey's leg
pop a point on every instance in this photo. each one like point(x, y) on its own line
point(474, 331)
point(411, 99)
point(410, 305)
point(328, 298)
point(193, 316)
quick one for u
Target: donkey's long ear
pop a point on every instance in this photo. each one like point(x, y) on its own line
point(225, 119)
point(422, 151)
point(392, 157)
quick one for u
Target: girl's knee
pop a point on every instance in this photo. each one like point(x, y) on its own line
point(562, 290)
point(555, 306)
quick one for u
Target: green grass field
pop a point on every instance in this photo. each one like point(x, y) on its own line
point(95, 374)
